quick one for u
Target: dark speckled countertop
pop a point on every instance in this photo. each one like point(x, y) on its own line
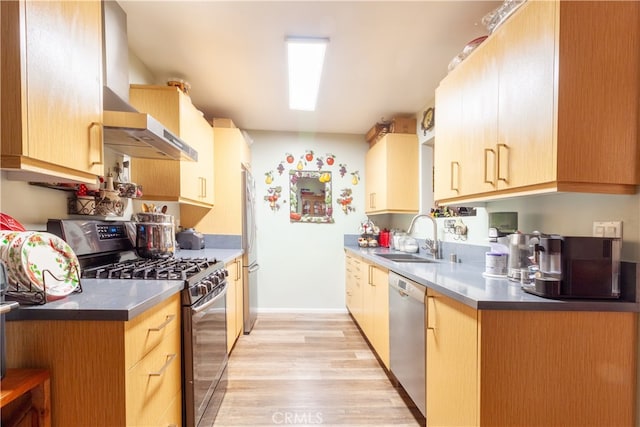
point(111, 299)
point(466, 283)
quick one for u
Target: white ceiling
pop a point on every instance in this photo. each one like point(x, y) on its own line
point(384, 57)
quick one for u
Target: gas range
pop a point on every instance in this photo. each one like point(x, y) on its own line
point(105, 251)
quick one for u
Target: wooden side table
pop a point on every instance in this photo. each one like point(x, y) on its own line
point(16, 384)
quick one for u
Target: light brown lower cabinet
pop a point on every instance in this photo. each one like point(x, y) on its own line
point(543, 368)
point(107, 373)
point(367, 296)
point(235, 294)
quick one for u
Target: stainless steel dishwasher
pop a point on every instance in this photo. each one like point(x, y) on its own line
point(406, 336)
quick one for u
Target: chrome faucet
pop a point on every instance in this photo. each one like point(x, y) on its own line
point(431, 245)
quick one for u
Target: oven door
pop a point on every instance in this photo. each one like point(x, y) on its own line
point(205, 356)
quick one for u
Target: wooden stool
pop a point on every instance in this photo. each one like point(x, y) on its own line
point(16, 384)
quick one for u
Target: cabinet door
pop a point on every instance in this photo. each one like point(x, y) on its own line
point(391, 167)
point(61, 66)
point(376, 172)
point(368, 297)
point(196, 177)
point(452, 362)
point(239, 298)
point(526, 51)
point(151, 385)
point(479, 131)
point(231, 151)
point(448, 137)
point(380, 313)
point(401, 189)
point(231, 307)
point(184, 181)
point(355, 277)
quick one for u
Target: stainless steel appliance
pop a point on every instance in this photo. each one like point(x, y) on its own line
point(578, 267)
point(105, 251)
point(155, 235)
point(250, 264)
point(190, 239)
point(406, 336)
point(125, 129)
point(522, 254)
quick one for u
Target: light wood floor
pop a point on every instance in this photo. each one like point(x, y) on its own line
point(309, 369)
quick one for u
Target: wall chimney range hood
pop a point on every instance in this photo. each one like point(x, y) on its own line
point(126, 130)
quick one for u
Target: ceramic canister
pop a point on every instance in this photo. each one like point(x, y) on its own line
point(495, 263)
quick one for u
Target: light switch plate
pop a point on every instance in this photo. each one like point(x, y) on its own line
point(607, 229)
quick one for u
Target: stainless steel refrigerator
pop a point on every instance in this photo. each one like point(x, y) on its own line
point(250, 257)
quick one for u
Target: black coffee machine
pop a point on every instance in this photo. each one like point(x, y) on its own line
point(577, 267)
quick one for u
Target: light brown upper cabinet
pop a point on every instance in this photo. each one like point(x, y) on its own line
point(549, 102)
point(183, 181)
point(231, 152)
point(391, 175)
point(51, 85)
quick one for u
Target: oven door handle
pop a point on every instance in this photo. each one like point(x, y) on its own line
point(211, 302)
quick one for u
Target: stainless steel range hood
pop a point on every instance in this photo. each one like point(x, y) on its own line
point(126, 130)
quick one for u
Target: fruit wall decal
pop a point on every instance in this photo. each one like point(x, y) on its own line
point(289, 158)
point(355, 178)
point(345, 200)
point(300, 168)
point(273, 195)
point(308, 155)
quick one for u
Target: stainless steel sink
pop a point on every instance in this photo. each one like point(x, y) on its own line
point(404, 258)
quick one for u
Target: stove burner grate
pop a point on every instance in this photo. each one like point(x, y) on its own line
point(149, 269)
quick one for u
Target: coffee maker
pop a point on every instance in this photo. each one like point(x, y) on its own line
point(523, 255)
point(577, 267)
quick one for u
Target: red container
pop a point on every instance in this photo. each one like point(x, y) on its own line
point(384, 238)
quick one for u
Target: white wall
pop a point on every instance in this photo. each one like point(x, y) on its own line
point(302, 264)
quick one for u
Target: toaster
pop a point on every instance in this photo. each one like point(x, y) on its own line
point(190, 239)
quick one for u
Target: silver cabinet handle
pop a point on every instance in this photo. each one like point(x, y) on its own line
point(455, 177)
point(427, 323)
point(170, 358)
point(7, 307)
point(168, 320)
point(486, 167)
point(238, 270)
point(506, 149)
point(96, 142)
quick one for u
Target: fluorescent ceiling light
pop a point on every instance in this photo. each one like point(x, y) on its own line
point(305, 57)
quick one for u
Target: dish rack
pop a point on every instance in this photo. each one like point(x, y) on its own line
point(28, 294)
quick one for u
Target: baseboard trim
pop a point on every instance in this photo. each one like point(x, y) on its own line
point(303, 310)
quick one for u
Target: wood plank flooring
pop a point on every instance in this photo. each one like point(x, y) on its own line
point(309, 369)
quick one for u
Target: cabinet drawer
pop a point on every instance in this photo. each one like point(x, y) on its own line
point(146, 331)
point(173, 415)
point(153, 382)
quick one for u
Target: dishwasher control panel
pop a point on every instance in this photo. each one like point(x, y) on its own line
point(406, 287)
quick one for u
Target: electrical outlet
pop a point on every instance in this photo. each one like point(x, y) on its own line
point(607, 229)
